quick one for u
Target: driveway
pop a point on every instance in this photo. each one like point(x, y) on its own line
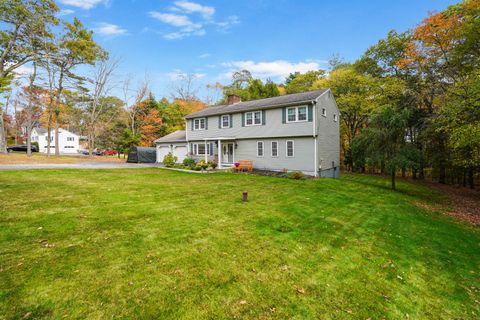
point(79, 165)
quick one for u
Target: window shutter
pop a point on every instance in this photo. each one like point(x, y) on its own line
point(284, 116)
point(206, 123)
point(243, 119)
point(219, 122)
point(231, 121)
point(263, 117)
point(310, 113)
point(191, 122)
point(211, 149)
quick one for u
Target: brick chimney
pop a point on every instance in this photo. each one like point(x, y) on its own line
point(233, 98)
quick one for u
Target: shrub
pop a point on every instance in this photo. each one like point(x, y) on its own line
point(169, 160)
point(201, 165)
point(212, 164)
point(189, 162)
point(297, 175)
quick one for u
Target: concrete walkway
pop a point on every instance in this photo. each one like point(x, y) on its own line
point(80, 165)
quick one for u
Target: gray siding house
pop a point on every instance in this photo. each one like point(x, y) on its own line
point(295, 132)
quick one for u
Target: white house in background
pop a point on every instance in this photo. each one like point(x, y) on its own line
point(68, 142)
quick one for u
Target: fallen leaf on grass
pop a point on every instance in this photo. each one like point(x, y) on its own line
point(27, 315)
point(243, 302)
point(301, 290)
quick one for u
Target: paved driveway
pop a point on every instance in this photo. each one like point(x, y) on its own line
point(80, 165)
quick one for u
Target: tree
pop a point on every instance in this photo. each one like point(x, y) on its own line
point(384, 140)
point(301, 82)
point(101, 84)
point(75, 47)
point(24, 24)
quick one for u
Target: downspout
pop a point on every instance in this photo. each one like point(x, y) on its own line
point(186, 137)
point(315, 166)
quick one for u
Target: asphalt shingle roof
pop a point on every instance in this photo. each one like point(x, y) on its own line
point(289, 99)
point(177, 136)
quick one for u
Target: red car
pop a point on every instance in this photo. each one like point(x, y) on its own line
point(110, 153)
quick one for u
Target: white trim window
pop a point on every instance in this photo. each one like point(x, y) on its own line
point(199, 124)
point(324, 112)
point(199, 149)
point(70, 139)
point(260, 148)
point(225, 123)
point(297, 114)
point(290, 152)
point(274, 149)
point(253, 118)
point(335, 117)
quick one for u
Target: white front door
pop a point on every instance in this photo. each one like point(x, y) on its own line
point(227, 152)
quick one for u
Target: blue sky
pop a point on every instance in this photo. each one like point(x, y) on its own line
point(160, 39)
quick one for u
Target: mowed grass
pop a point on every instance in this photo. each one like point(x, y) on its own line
point(158, 244)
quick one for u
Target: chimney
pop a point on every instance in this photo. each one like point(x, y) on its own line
point(233, 98)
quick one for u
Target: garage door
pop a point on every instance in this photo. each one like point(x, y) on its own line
point(162, 152)
point(180, 152)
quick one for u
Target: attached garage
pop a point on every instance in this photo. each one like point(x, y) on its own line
point(175, 142)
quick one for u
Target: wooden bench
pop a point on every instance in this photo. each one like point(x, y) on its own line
point(244, 165)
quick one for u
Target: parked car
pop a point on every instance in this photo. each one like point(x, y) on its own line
point(22, 148)
point(98, 153)
point(110, 153)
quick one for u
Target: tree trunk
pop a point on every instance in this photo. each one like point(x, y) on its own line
point(471, 180)
point(414, 174)
point(57, 148)
point(29, 141)
point(3, 135)
point(49, 132)
point(403, 172)
point(442, 174)
point(464, 177)
point(394, 187)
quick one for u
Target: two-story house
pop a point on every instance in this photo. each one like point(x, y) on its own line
point(295, 132)
point(68, 141)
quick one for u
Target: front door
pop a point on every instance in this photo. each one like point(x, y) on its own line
point(227, 155)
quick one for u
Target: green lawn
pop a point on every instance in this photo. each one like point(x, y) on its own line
point(158, 244)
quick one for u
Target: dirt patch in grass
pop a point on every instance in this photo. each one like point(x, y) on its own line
point(37, 158)
point(463, 203)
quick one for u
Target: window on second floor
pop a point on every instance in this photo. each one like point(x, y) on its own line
point(199, 124)
point(297, 114)
point(70, 139)
point(324, 112)
point(335, 117)
point(225, 121)
point(253, 118)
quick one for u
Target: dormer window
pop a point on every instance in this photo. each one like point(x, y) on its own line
point(199, 124)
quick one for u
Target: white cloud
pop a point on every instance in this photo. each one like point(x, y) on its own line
point(65, 12)
point(185, 25)
point(84, 4)
point(205, 55)
point(182, 17)
point(171, 19)
point(176, 75)
point(228, 23)
point(271, 69)
point(109, 29)
point(192, 7)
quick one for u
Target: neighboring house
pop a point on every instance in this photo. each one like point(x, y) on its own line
point(295, 132)
point(68, 141)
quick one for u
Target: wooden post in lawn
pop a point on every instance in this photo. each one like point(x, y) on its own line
point(245, 196)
